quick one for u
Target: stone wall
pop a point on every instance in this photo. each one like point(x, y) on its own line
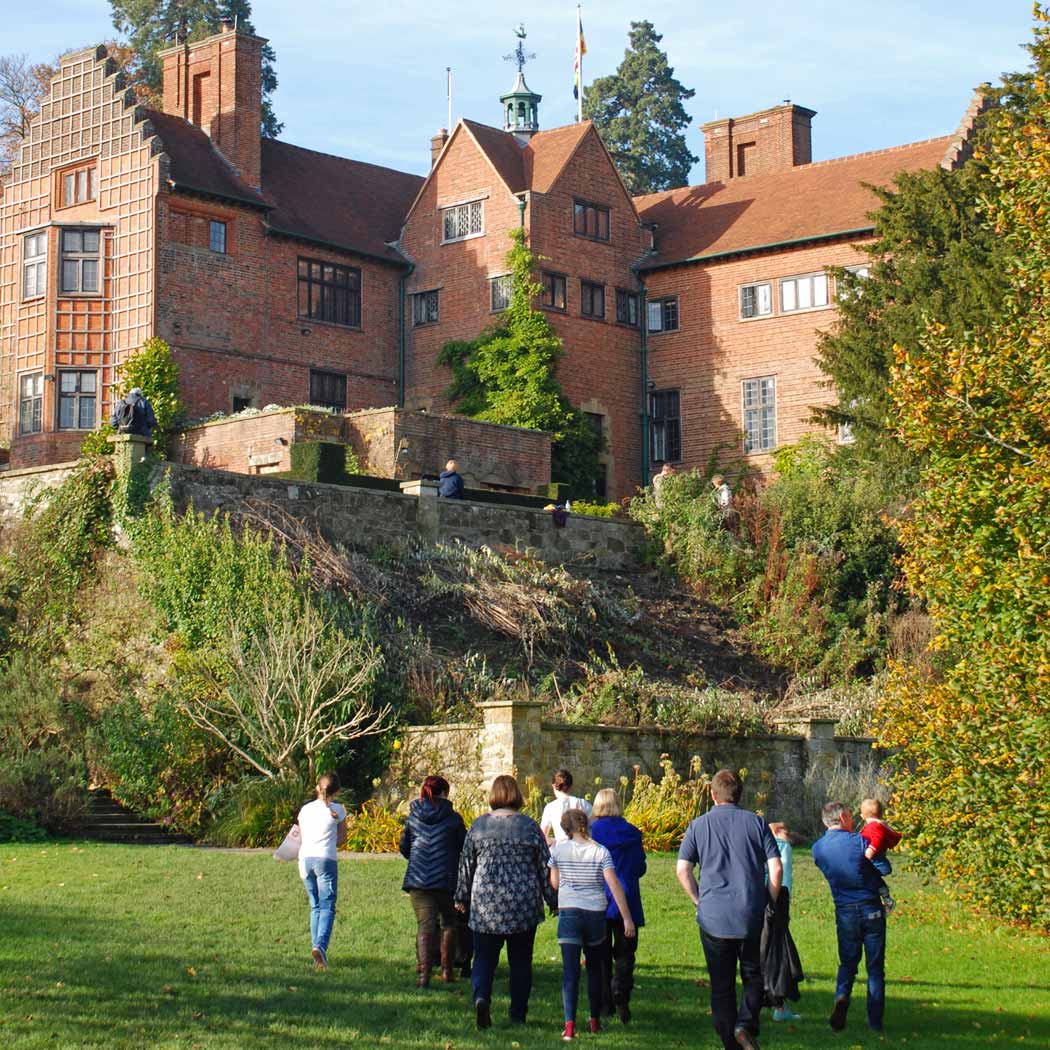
point(17, 486)
point(370, 518)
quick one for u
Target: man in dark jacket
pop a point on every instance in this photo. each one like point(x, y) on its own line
point(432, 842)
point(450, 483)
point(860, 919)
point(133, 414)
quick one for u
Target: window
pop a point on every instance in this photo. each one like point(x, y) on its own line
point(80, 256)
point(626, 307)
point(756, 300)
point(861, 272)
point(241, 403)
point(78, 186)
point(77, 393)
point(424, 308)
point(31, 404)
point(217, 237)
point(328, 390)
point(329, 293)
point(34, 265)
point(804, 293)
point(845, 434)
point(463, 221)
point(590, 220)
point(592, 300)
point(553, 290)
point(500, 289)
point(662, 314)
point(665, 426)
point(760, 414)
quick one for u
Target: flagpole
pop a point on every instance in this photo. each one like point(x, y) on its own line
point(579, 53)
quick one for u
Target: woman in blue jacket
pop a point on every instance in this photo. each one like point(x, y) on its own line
point(432, 842)
point(624, 841)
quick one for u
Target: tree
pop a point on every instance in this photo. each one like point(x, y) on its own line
point(640, 113)
point(152, 25)
point(23, 86)
point(509, 375)
point(973, 759)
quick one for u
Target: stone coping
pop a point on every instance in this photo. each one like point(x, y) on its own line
point(539, 510)
point(457, 727)
point(261, 414)
point(445, 415)
point(573, 727)
point(47, 468)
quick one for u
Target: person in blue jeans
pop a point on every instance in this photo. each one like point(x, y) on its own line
point(322, 829)
point(860, 918)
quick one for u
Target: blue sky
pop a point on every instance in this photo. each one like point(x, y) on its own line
point(367, 80)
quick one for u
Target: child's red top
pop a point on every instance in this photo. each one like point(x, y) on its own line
point(879, 836)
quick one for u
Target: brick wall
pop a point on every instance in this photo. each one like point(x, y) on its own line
point(714, 350)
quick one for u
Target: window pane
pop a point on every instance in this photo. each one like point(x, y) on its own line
point(765, 299)
point(82, 186)
point(670, 315)
point(603, 225)
point(72, 241)
point(655, 316)
point(90, 241)
point(218, 237)
point(805, 293)
point(68, 190)
point(87, 413)
point(787, 295)
point(579, 223)
point(476, 217)
point(65, 412)
point(820, 290)
point(747, 301)
point(70, 272)
point(87, 382)
point(89, 275)
point(450, 225)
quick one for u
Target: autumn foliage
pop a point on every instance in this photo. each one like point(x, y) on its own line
point(973, 769)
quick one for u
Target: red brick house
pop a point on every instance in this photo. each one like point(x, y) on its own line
point(282, 275)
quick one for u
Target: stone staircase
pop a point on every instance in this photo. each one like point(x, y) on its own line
point(106, 820)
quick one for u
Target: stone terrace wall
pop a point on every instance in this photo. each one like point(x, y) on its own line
point(369, 518)
point(16, 486)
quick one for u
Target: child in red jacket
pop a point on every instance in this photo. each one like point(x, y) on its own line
point(880, 838)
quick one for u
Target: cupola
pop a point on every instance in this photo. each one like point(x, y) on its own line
point(521, 105)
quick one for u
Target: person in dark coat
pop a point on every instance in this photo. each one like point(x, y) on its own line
point(133, 414)
point(624, 841)
point(450, 483)
point(432, 842)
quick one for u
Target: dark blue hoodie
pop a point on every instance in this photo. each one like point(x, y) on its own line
point(450, 485)
point(432, 842)
point(624, 841)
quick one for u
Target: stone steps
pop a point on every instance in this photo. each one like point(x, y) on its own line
point(106, 820)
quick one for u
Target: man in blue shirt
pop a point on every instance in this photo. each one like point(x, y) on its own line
point(736, 851)
point(860, 919)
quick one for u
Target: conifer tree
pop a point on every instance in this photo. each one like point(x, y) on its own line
point(640, 113)
point(152, 25)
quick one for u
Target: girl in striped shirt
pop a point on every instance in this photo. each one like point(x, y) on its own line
point(580, 871)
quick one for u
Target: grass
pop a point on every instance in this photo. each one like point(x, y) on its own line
point(110, 946)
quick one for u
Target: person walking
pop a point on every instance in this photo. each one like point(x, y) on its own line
point(736, 853)
point(322, 830)
point(503, 886)
point(550, 821)
point(624, 842)
point(431, 842)
point(582, 871)
point(860, 915)
point(450, 482)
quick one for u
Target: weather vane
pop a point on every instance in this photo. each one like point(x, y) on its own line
point(519, 54)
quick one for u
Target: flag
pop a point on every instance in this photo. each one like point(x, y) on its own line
point(581, 50)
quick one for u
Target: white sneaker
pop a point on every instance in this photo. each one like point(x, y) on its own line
point(320, 958)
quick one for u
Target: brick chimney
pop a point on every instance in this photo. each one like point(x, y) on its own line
point(217, 84)
point(757, 144)
point(437, 144)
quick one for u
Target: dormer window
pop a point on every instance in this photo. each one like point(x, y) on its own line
point(77, 186)
point(462, 221)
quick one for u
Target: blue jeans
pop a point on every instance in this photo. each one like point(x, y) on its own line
point(321, 880)
point(487, 948)
point(862, 928)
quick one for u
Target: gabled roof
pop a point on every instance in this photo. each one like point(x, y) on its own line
point(331, 200)
point(196, 165)
point(804, 203)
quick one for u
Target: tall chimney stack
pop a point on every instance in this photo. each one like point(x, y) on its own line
point(760, 143)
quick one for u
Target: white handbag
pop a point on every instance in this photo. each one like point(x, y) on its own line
point(289, 848)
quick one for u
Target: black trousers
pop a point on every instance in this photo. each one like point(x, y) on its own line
point(723, 954)
point(617, 965)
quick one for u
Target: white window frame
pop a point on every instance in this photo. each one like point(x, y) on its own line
point(76, 396)
point(808, 282)
point(35, 264)
point(421, 312)
point(212, 224)
point(759, 314)
point(758, 407)
point(31, 391)
point(79, 259)
point(470, 216)
point(504, 284)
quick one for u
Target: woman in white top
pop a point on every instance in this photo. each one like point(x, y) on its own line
point(550, 822)
point(322, 830)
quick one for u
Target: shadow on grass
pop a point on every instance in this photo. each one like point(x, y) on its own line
point(73, 980)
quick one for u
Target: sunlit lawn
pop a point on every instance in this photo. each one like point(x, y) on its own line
point(173, 947)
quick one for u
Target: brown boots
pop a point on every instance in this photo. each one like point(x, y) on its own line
point(448, 955)
point(424, 957)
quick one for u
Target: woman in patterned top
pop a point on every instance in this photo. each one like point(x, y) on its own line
point(503, 882)
point(580, 871)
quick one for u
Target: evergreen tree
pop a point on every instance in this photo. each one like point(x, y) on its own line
point(152, 25)
point(639, 111)
point(509, 374)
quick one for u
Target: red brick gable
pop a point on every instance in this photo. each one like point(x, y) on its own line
point(810, 201)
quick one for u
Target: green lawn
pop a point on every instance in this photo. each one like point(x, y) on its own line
point(174, 947)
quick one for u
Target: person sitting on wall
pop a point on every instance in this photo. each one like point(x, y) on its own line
point(450, 484)
point(133, 414)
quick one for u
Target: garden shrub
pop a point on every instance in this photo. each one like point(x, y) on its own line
point(597, 510)
point(324, 461)
point(14, 829)
point(663, 809)
point(259, 811)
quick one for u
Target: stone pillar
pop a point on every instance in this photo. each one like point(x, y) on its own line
point(512, 739)
point(427, 522)
point(129, 450)
point(820, 741)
